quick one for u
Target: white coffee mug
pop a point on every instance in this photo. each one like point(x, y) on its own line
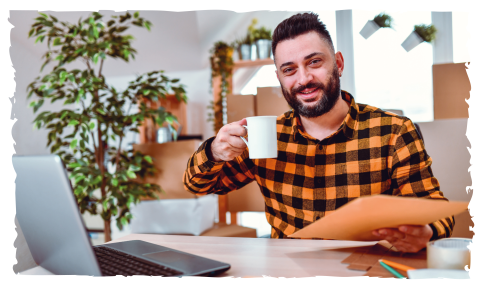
point(262, 137)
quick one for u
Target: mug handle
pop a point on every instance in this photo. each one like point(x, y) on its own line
point(244, 138)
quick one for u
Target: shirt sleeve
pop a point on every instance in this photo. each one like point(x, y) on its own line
point(412, 174)
point(204, 176)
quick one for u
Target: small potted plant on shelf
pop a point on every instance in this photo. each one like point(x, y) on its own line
point(382, 20)
point(421, 33)
point(263, 40)
point(244, 47)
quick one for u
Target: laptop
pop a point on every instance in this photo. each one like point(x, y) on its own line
point(58, 240)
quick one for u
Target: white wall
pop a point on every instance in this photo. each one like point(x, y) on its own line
point(446, 142)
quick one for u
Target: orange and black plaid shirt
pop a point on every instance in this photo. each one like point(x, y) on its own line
point(373, 152)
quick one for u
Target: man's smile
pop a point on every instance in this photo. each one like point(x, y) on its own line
point(308, 93)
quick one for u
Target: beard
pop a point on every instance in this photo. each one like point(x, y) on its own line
point(331, 93)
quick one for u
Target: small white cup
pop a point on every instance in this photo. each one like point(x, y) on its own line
point(262, 137)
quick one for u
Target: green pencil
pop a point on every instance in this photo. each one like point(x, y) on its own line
point(391, 270)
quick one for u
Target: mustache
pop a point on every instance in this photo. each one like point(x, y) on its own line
point(308, 86)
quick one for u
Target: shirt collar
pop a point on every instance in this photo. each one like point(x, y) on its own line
point(349, 125)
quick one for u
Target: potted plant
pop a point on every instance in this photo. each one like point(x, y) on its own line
point(221, 64)
point(381, 20)
point(244, 48)
point(263, 40)
point(97, 116)
point(250, 38)
point(421, 33)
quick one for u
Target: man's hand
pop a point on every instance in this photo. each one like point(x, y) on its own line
point(407, 238)
point(228, 145)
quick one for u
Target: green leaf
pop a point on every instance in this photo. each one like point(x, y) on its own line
point(97, 180)
point(131, 174)
point(63, 75)
point(101, 111)
point(74, 165)
point(73, 144)
point(63, 115)
point(95, 31)
point(148, 159)
point(43, 15)
point(104, 204)
point(114, 182)
point(134, 168)
point(57, 42)
point(147, 25)
point(124, 221)
point(95, 58)
point(73, 123)
point(92, 125)
point(79, 178)
point(135, 15)
point(33, 103)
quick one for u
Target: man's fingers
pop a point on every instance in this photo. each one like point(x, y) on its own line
point(407, 246)
point(236, 142)
point(241, 122)
point(391, 233)
point(414, 230)
point(235, 129)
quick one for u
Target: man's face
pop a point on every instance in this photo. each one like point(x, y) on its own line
point(308, 74)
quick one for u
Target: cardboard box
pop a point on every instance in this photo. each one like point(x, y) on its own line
point(451, 87)
point(239, 107)
point(170, 160)
point(270, 101)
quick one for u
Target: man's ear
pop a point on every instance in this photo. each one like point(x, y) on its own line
point(340, 62)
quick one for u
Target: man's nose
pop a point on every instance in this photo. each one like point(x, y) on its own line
point(305, 76)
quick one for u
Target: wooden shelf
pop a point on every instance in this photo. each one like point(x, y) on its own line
point(250, 63)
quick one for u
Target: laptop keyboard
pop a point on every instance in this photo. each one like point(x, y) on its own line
point(113, 262)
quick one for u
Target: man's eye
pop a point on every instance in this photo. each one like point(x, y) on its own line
point(288, 70)
point(315, 61)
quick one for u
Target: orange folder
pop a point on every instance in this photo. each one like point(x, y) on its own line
point(356, 218)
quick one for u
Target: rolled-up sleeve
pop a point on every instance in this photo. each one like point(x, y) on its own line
point(204, 176)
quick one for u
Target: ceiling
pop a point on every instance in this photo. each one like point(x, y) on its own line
point(178, 41)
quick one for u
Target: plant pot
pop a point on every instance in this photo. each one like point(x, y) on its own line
point(244, 52)
point(253, 52)
point(369, 28)
point(264, 48)
point(412, 41)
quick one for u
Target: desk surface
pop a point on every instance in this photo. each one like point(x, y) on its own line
point(261, 256)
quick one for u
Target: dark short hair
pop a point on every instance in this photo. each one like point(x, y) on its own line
point(300, 24)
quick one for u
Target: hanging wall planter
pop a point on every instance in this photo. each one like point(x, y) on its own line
point(419, 34)
point(382, 20)
point(369, 28)
point(412, 41)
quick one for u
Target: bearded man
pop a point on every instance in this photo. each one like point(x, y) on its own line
point(331, 150)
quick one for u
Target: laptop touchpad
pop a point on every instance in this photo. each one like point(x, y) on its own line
point(184, 262)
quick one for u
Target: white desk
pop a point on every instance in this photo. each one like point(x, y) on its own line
point(259, 256)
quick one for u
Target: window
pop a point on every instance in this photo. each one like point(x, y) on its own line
point(388, 77)
point(461, 36)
